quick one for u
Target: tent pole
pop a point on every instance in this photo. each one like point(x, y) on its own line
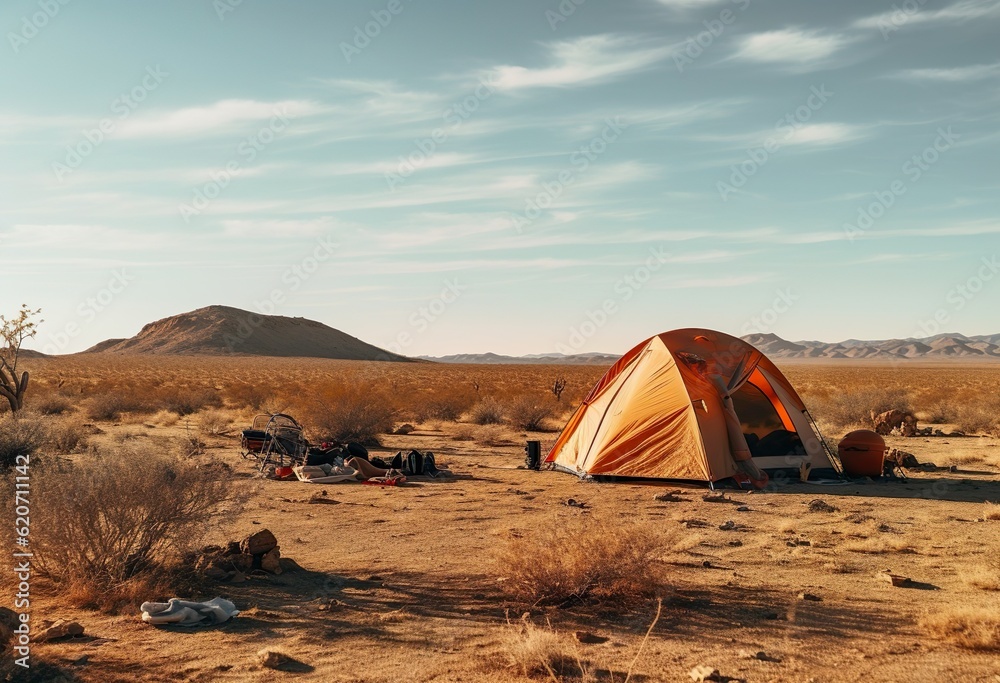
point(826, 447)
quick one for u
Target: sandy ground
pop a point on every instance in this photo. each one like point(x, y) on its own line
point(398, 584)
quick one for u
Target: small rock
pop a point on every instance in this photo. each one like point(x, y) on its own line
point(810, 597)
point(272, 659)
point(322, 499)
point(59, 629)
point(754, 654)
point(668, 497)
point(259, 543)
point(894, 579)
point(572, 502)
point(216, 574)
point(728, 526)
point(590, 638)
point(736, 544)
point(704, 673)
point(743, 508)
point(818, 505)
point(404, 429)
point(270, 562)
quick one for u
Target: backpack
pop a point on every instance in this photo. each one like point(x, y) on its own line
point(414, 463)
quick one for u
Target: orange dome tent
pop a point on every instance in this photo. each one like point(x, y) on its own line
point(693, 405)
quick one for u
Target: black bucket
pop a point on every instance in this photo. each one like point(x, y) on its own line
point(533, 461)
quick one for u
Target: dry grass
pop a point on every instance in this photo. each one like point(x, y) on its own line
point(357, 413)
point(991, 511)
point(529, 413)
point(19, 436)
point(585, 561)
point(966, 627)
point(488, 411)
point(537, 651)
point(983, 577)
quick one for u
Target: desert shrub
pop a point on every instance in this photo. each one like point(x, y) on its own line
point(53, 404)
point(111, 405)
point(488, 411)
point(537, 651)
point(967, 627)
point(853, 407)
point(359, 414)
point(65, 436)
point(979, 417)
point(108, 524)
point(21, 435)
point(253, 395)
point(991, 511)
point(190, 401)
point(583, 561)
point(444, 406)
point(214, 422)
point(528, 413)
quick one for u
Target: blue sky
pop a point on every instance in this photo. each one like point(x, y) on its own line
point(518, 177)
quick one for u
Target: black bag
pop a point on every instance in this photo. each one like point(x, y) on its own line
point(414, 463)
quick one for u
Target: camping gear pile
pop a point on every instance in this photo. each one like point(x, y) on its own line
point(274, 439)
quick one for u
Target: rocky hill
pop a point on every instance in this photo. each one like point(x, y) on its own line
point(222, 330)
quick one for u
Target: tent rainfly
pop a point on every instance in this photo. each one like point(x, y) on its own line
point(690, 405)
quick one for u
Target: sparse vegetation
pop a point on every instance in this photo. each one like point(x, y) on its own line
point(360, 413)
point(528, 413)
point(488, 411)
point(584, 561)
point(109, 527)
point(966, 627)
point(19, 435)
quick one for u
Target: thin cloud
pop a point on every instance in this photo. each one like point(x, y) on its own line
point(793, 46)
point(963, 11)
point(220, 116)
point(958, 74)
point(583, 61)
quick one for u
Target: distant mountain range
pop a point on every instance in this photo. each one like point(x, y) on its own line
point(940, 346)
point(222, 330)
point(534, 359)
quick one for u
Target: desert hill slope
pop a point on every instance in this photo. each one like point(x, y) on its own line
point(223, 330)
